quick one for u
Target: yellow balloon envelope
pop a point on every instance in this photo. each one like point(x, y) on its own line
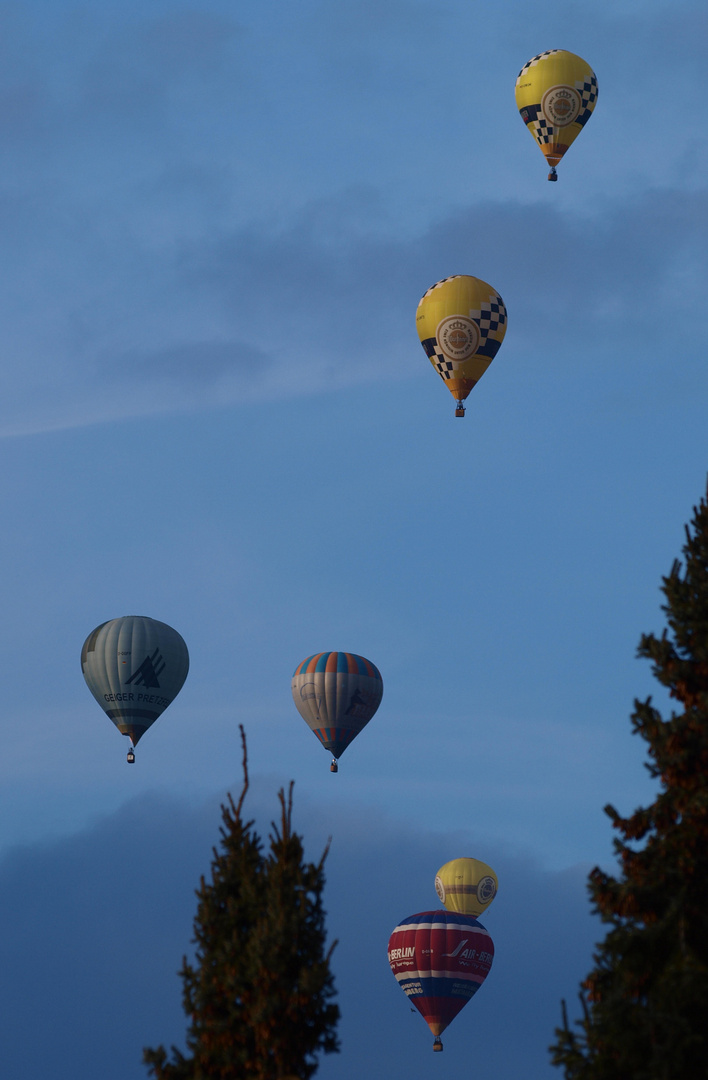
point(556, 94)
point(461, 322)
point(467, 886)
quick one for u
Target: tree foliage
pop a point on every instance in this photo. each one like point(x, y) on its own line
point(259, 995)
point(646, 1001)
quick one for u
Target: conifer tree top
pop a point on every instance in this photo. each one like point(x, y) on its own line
point(259, 993)
point(646, 999)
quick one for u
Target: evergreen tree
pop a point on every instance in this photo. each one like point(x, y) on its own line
point(259, 994)
point(646, 1001)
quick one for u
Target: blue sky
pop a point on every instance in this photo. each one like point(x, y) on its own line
point(216, 222)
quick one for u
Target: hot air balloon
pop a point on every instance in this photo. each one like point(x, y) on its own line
point(440, 959)
point(461, 322)
point(556, 94)
point(466, 885)
point(336, 694)
point(134, 667)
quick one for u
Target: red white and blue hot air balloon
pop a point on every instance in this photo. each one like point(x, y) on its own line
point(440, 959)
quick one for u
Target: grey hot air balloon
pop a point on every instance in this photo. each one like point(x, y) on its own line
point(134, 667)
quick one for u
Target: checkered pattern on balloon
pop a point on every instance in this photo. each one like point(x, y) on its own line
point(489, 317)
point(532, 115)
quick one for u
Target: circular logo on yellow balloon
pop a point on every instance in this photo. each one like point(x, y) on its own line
point(560, 105)
point(440, 889)
point(458, 337)
point(486, 890)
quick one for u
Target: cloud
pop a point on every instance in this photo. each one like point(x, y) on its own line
point(185, 192)
point(100, 921)
point(201, 363)
point(262, 312)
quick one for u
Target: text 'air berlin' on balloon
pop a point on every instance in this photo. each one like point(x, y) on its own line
point(336, 694)
point(440, 959)
point(556, 93)
point(466, 885)
point(461, 322)
point(134, 667)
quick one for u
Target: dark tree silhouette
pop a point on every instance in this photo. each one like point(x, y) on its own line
point(259, 995)
point(646, 1000)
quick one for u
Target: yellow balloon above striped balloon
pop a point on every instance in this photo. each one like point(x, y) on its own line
point(461, 322)
point(466, 885)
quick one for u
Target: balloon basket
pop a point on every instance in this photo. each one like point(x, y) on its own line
point(460, 410)
point(437, 1045)
point(334, 767)
point(131, 757)
point(553, 175)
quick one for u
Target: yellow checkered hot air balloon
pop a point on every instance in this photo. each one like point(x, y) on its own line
point(461, 322)
point(556, 93)
point(466, 885)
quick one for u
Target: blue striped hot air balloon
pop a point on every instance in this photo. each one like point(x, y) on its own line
point(336, 694)
point(134, 667)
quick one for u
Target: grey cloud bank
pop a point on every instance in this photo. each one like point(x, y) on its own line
point(100, 920)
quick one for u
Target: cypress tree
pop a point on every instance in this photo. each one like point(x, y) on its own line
point(645, 1003)
point(259, 993)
